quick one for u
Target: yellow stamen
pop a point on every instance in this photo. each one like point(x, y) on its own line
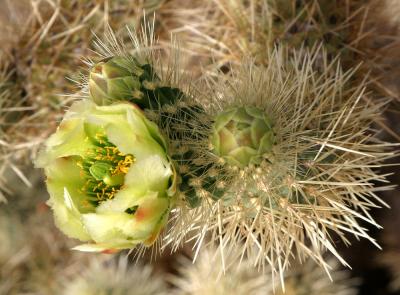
point(119, 165)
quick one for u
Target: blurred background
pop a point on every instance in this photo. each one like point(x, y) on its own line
point(43, 43)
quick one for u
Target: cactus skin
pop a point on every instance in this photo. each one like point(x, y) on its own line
point(184, 124)
point(124, 78)
point(178, 124)
point(242, 136)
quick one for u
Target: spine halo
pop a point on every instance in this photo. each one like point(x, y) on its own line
point(278, 160)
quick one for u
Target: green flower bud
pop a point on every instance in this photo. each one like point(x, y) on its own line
point(242, 136)
point(110, 180)
point(123, 78)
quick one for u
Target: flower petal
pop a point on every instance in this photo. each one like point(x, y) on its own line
point(67, 217)
point(148, 176)
point(123, 228)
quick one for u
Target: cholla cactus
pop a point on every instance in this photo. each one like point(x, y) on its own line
point(230, 30)
point(125, 78)
point(206, 276)
point(241, 28)
point(119, 171)
point(360, 32)
point(44, 41)
point(55, 34)
point(136, 75)
point(314, 175)
point(109, 176)
point(242, 136)
point(117, 78)
point(114, 277)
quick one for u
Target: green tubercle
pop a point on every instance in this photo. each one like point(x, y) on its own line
point(124, 78)
point(242, 136)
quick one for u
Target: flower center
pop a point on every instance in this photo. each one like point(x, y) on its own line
point(104, 167)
